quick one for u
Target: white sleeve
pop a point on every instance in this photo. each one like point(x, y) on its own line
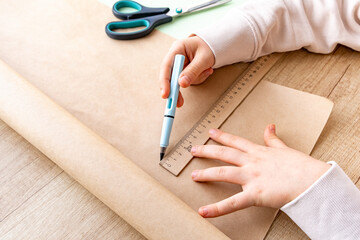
point(260, 27)
point(328, 209)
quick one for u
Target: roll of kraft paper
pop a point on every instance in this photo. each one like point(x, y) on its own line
point(100, 168)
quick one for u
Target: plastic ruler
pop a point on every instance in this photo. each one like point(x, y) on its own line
point(180, 155)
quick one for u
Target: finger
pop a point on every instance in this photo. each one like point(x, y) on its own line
point(192, 71)
point(238, 201)
point(164, 87)
point(231, 140)
point(180, 101)
point(222, 153)
point(203, 76)
point(165, 72)
point(166, 68)
point(271, 139)
point(227, 174)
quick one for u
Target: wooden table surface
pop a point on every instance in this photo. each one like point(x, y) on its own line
point(40, 201)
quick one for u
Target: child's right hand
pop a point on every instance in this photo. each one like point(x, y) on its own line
point(199, 60)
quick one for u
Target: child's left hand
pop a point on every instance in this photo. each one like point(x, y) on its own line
point(270, 175)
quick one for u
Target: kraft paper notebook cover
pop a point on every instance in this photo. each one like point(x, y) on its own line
point(61, 48)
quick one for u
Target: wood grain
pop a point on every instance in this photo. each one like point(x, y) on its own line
point(336, 76)
point(39, 201)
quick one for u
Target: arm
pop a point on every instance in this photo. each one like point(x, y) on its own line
point(261, 27)
point(330, 208)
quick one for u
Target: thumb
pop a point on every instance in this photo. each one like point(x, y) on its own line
point(193, 71)
point(271, 139)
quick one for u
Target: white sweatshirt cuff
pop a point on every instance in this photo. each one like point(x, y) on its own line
point(232, 39)
point(328, 209)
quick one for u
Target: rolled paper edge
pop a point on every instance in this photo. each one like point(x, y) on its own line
point(114, 179)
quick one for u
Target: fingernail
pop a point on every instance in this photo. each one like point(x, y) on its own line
point(194, 173)
point(203, 211)
point(162, 92)
point(272, 128)
point(193, 149)
point(185, 80)
point(212, 131)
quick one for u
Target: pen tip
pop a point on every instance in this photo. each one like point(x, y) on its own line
point(162, 156)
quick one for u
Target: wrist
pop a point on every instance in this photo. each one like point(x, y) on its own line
point(313, 171)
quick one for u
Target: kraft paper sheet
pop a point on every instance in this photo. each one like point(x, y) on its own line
point(110, 86)
point(95, 164)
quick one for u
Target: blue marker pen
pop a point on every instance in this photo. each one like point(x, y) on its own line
point(171, 104)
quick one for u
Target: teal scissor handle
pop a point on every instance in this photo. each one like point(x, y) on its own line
point(141, 11)
point(142, 17)
point(149, 23)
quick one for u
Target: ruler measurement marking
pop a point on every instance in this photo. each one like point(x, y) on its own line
point(180, 155)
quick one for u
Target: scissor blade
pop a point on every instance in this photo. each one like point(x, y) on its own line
point(206, 5)
point(197, 7)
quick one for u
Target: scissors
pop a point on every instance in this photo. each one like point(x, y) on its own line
point(147, 17)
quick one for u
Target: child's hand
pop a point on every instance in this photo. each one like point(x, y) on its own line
point(270, 175)
point(199, 60)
